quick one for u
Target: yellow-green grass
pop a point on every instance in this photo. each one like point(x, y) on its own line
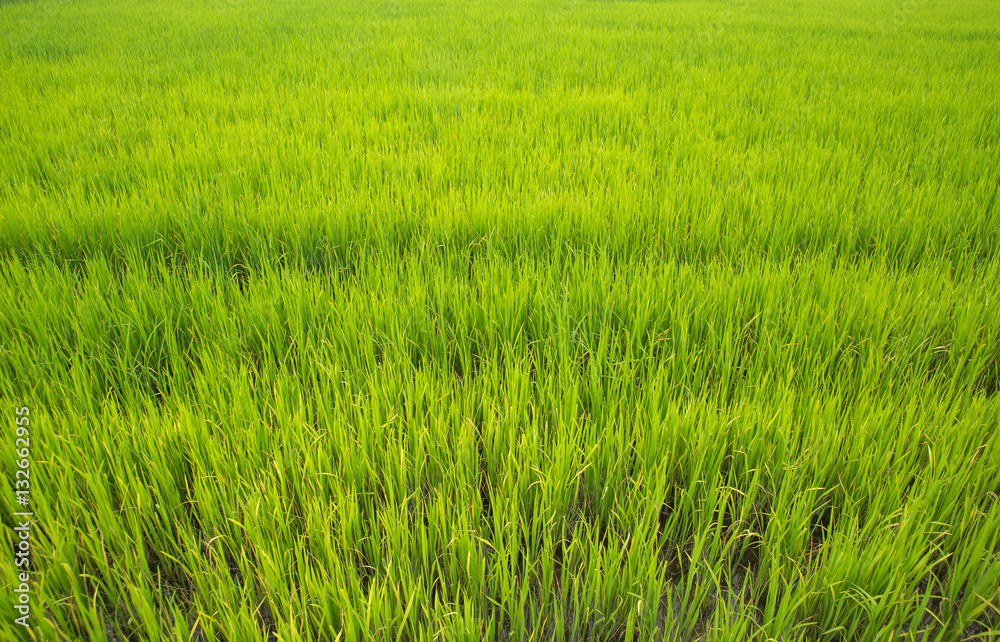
point(503, 320)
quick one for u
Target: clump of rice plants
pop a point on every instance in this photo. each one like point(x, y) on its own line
point(571, 320)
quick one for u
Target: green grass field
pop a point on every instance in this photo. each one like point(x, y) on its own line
point(565, 320)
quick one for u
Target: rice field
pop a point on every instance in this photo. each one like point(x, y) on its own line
point(435, 320)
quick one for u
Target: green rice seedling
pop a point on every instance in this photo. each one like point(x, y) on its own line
point(536, 321)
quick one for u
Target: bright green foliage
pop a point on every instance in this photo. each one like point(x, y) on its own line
point(567, 320)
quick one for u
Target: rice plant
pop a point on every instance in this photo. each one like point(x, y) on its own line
point(566, 320)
